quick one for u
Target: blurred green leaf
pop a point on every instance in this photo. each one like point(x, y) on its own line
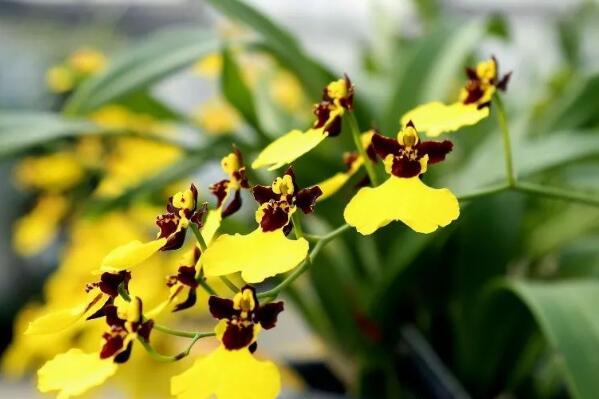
point(498, 26)
point(279, 43)
point(145, 103)
point(237, 92)
point(531, 156)
point(427, 72)
point(162, 54)
point(20, 131)
point(566, 313)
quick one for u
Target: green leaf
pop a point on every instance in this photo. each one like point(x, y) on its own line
point(140, 67)
point(428, 71)
point(143, 102)
point(566, 313)
point(237, 92)
point(20, 131)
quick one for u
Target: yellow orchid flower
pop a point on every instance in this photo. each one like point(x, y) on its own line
point(181, 211)
point(475, 98)
point(217, 117)
point(98, 295)
point(337, 97)
point(266, 251)
point(231, 371)
point(404, 196)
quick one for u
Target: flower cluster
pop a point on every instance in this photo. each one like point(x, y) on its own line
point(231, 370)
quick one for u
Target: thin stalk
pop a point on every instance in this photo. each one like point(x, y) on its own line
point(297, 225)
point(556, 193)
point(168, 359)
point(484, 192)
point(355, 130)
point(202, 282)
point(198, 234)
point(229, 284)
point(507, 146)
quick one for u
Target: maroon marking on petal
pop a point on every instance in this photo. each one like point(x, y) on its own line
point(267, 314)
point(349, 158)
point(287, 228)
point(384, 146)
point(113, 344)
point(112, 317)
point(238, 336)
point(502, 84)
point(109, 282)
point(484, 105)
point(194, 192)
point(199, 216)
point(252, 348)
point(322, 112)
point(274, 218)
point(145, 329)
point(410, 124)
point(101, 312)
point(167, 224)
point(371, 152)
point(334, 127)
point(170, 208)
point(364, 182)
point(348, 101)
point(175, 241)
point(436, 150)
point(475, 92)
point(221, 308)
point(233, 206)
point(186, 275)
point(219, 190)
point(471, 73)
point(263, 194)
point(188, 302)
point(305, 199)
point(124, 355)
point(403, 167)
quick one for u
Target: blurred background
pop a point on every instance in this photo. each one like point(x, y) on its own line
point(382, 45)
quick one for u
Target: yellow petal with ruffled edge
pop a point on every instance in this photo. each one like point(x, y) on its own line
point(130, 255)
point(333, 184)
point(60, 320)
point(436, 118)
point(73, 373)
point(288, 148)
point(257, 255)
point(421, 207)
point(225, 374)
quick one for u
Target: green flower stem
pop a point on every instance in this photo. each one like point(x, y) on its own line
point(202, 282)
point(167, 330)
point(198, 234)
point(297, 225)
point(484, 192)
point(355, 130)
point(178, 333)
point(558, 193)
point(168, 359)
point(229, 284)
point(507, 146)
point(304, 265)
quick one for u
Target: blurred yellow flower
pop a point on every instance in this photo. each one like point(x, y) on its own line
point(210, 66)
point(87, 61)
point(33, 232)
point(217, 117)
point(60, 79)
point(286, 91)
point(54, 172)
